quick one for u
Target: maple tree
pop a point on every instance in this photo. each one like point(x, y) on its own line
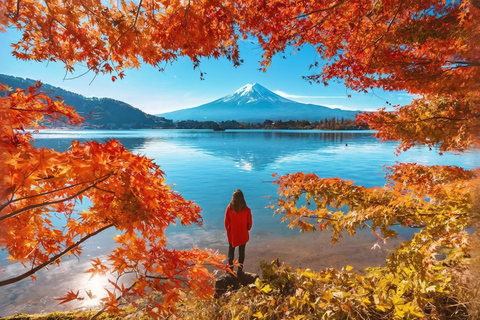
point(111, 37)
point(427, 48)
point(40, 192)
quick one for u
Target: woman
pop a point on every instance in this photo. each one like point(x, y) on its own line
point(238, 221)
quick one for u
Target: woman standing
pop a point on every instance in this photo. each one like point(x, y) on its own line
point(238, 221)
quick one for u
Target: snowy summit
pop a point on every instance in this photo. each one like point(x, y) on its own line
point(253, 92)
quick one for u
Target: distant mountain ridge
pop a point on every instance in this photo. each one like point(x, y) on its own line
point(98, 112)
point(254, 103)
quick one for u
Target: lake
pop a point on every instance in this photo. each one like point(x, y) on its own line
point(207, 166)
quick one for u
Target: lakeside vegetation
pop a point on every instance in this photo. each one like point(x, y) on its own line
point(326, 124)
point(284, 293)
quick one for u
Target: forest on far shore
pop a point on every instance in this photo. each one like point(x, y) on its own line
point(326, 124)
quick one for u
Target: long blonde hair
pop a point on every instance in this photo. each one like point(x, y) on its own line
point(238, 201)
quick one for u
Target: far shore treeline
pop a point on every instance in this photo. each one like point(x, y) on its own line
point(326, 124)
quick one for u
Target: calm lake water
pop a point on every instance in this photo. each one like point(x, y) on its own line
point(206, 167)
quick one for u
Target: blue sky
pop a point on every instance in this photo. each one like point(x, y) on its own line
point(179, 86)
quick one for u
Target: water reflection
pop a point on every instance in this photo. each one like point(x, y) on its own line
point(256, 150)
point(250, 150)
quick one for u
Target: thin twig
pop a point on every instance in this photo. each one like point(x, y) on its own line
point(318, 11)
point(118, 299)
point(18, 9)
point(388, 28)
point(430, 119)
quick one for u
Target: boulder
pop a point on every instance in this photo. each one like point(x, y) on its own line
point(229, 282)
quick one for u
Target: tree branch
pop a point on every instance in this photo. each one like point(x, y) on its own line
point(101, 189)
point(323, 218)
point(187, 9)
point(118, 299)
point(319, 10)
point(132, 27)
point(18, 9)
point(53, 15)
point(52, 259)
point(388, 28)
point(467, 63)
point(38, 205)
point(54, 191)
point(429, 119)
point(138, 12)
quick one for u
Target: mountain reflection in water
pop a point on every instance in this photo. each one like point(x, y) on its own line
point(258, 148)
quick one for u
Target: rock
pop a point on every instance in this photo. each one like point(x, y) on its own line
point(229, 282)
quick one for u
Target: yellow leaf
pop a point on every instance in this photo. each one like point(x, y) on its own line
point(266, 289)
point(380, 307)
point(308, 273)
point(327, 295)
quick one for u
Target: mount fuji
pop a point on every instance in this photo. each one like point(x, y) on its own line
point(254, 103)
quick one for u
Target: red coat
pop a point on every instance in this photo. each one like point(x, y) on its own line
point(237, 226)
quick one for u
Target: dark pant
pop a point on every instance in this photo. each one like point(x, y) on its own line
point(231, 252)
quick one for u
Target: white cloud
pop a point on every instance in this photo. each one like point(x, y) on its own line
point(293, 96)
point(353, 103)
point(351, 108)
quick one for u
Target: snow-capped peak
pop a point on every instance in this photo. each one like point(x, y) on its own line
point(247, 89)
point(253, 92)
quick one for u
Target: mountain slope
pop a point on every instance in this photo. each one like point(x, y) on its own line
point(255, 103)
point(99, 113)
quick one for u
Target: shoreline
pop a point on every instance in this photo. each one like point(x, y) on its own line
point(310, 250)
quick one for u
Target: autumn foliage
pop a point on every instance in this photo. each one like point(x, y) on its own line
point(435, 199)
point(42, 188)
point(426, 48)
